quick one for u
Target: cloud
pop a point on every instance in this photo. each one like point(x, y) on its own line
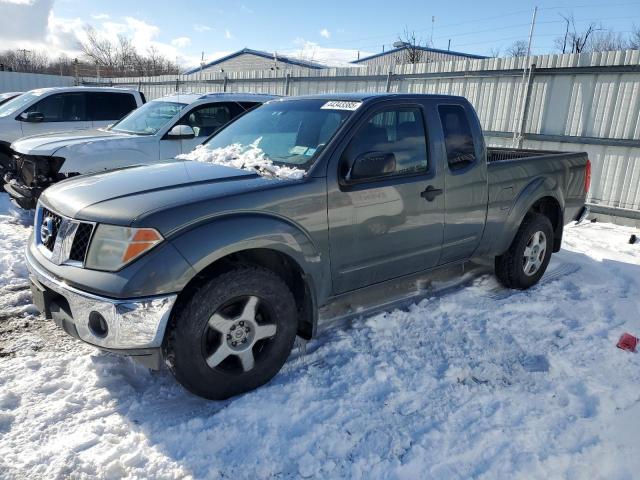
point(181, 42)
point(201, 28)
point(227, 34)
point(100, 16)
point(325, 33)
point(34, 26)
point(246, 9)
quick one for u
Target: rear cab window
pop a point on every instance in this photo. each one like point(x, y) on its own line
point(458, 137)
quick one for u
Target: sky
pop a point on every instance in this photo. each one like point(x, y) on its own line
point(327, 30)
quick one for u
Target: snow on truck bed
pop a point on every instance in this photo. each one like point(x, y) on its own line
point(482, 382)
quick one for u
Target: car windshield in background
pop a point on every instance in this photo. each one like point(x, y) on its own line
point(149, 118)
point(17, 103)
point(290, 133)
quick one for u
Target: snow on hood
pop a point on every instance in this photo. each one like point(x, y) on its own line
point(250, 158)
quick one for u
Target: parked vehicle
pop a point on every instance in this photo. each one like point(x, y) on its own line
point(61, 109)
point(159, 130)
point(216, 269)
point(6, 96)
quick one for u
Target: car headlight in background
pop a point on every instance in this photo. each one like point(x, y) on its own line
point(113, 247)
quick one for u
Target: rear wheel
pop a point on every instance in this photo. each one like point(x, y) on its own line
point(234, 334)
point(525, 262)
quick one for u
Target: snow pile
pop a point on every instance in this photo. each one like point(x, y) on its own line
point(483, 382)
point(250, 158)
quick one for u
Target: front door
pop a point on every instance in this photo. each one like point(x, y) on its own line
point(206, 120)
point(386, 209)
point(60, 112)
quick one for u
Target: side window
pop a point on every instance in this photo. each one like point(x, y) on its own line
point(109, 106)
point(62, 107)
point(205, 120)
point(249, 105)
point(458, 139)
point(391, 143)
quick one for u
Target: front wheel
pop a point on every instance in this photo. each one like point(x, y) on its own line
point(525, 262)
point(234, 334)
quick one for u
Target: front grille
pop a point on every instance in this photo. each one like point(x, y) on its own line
point(81, 242)
point(62, 239)
point(57, 220)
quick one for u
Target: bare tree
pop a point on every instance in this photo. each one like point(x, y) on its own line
point(412, 51)
point(519, 48)
point(121, 57)
point(634, 38)
point(606, 40)
point(495, 52)
point(574, 41)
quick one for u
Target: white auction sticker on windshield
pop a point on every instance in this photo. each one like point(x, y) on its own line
point(340, 105)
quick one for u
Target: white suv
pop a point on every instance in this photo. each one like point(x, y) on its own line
point(161, 129)
point(61, 109)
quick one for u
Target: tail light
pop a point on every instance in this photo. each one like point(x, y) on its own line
point(587, 177)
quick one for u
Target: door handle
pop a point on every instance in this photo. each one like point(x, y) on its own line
point(431, 193)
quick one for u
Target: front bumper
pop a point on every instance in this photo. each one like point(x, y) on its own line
point(134, 326)
point(25, 197)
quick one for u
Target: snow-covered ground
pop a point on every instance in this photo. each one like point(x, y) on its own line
point(482, 383)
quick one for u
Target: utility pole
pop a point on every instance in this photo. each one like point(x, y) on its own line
point(449, 45)
point(433, 22)
point(518, 134)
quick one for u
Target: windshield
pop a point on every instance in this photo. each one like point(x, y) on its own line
point(17, 103)
point(290, 133)
point(149, 118)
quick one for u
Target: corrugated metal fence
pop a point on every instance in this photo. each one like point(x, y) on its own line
point(22, 82)
point(578, 102)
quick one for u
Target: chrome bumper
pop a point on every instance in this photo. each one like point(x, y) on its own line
point(132, 323)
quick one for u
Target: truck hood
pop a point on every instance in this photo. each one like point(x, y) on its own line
point(121, 196)
point(49, 144)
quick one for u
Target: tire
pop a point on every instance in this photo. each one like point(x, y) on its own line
point(210, 358)
point(512, 268)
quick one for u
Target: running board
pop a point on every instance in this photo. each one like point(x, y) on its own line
point(399, 293)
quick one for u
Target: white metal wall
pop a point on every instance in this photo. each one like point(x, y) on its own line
point(22, 82)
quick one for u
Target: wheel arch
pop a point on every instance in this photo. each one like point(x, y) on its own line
point(263, 241)
point(539, 196)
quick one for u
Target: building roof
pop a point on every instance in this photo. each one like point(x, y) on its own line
point(424, 49)
point(281, 58)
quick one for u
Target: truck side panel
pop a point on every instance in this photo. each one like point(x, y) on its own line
point(516, 185)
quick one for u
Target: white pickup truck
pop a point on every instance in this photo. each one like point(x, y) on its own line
point(61, 109)
point(159, 130)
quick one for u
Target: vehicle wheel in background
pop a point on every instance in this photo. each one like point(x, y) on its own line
point(525, 262)
point(234, 334)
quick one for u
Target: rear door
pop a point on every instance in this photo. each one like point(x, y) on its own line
point(391, 224)
point(61, 112)
point(105, 108)
point(465, 180)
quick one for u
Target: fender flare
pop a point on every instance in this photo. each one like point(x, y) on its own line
point(534, 191)
point(216, 238)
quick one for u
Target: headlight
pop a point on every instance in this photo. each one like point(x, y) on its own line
point(113, 247)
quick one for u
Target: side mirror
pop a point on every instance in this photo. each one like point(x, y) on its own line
point(372, 165)
point(33, 117)
point(181, 132)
